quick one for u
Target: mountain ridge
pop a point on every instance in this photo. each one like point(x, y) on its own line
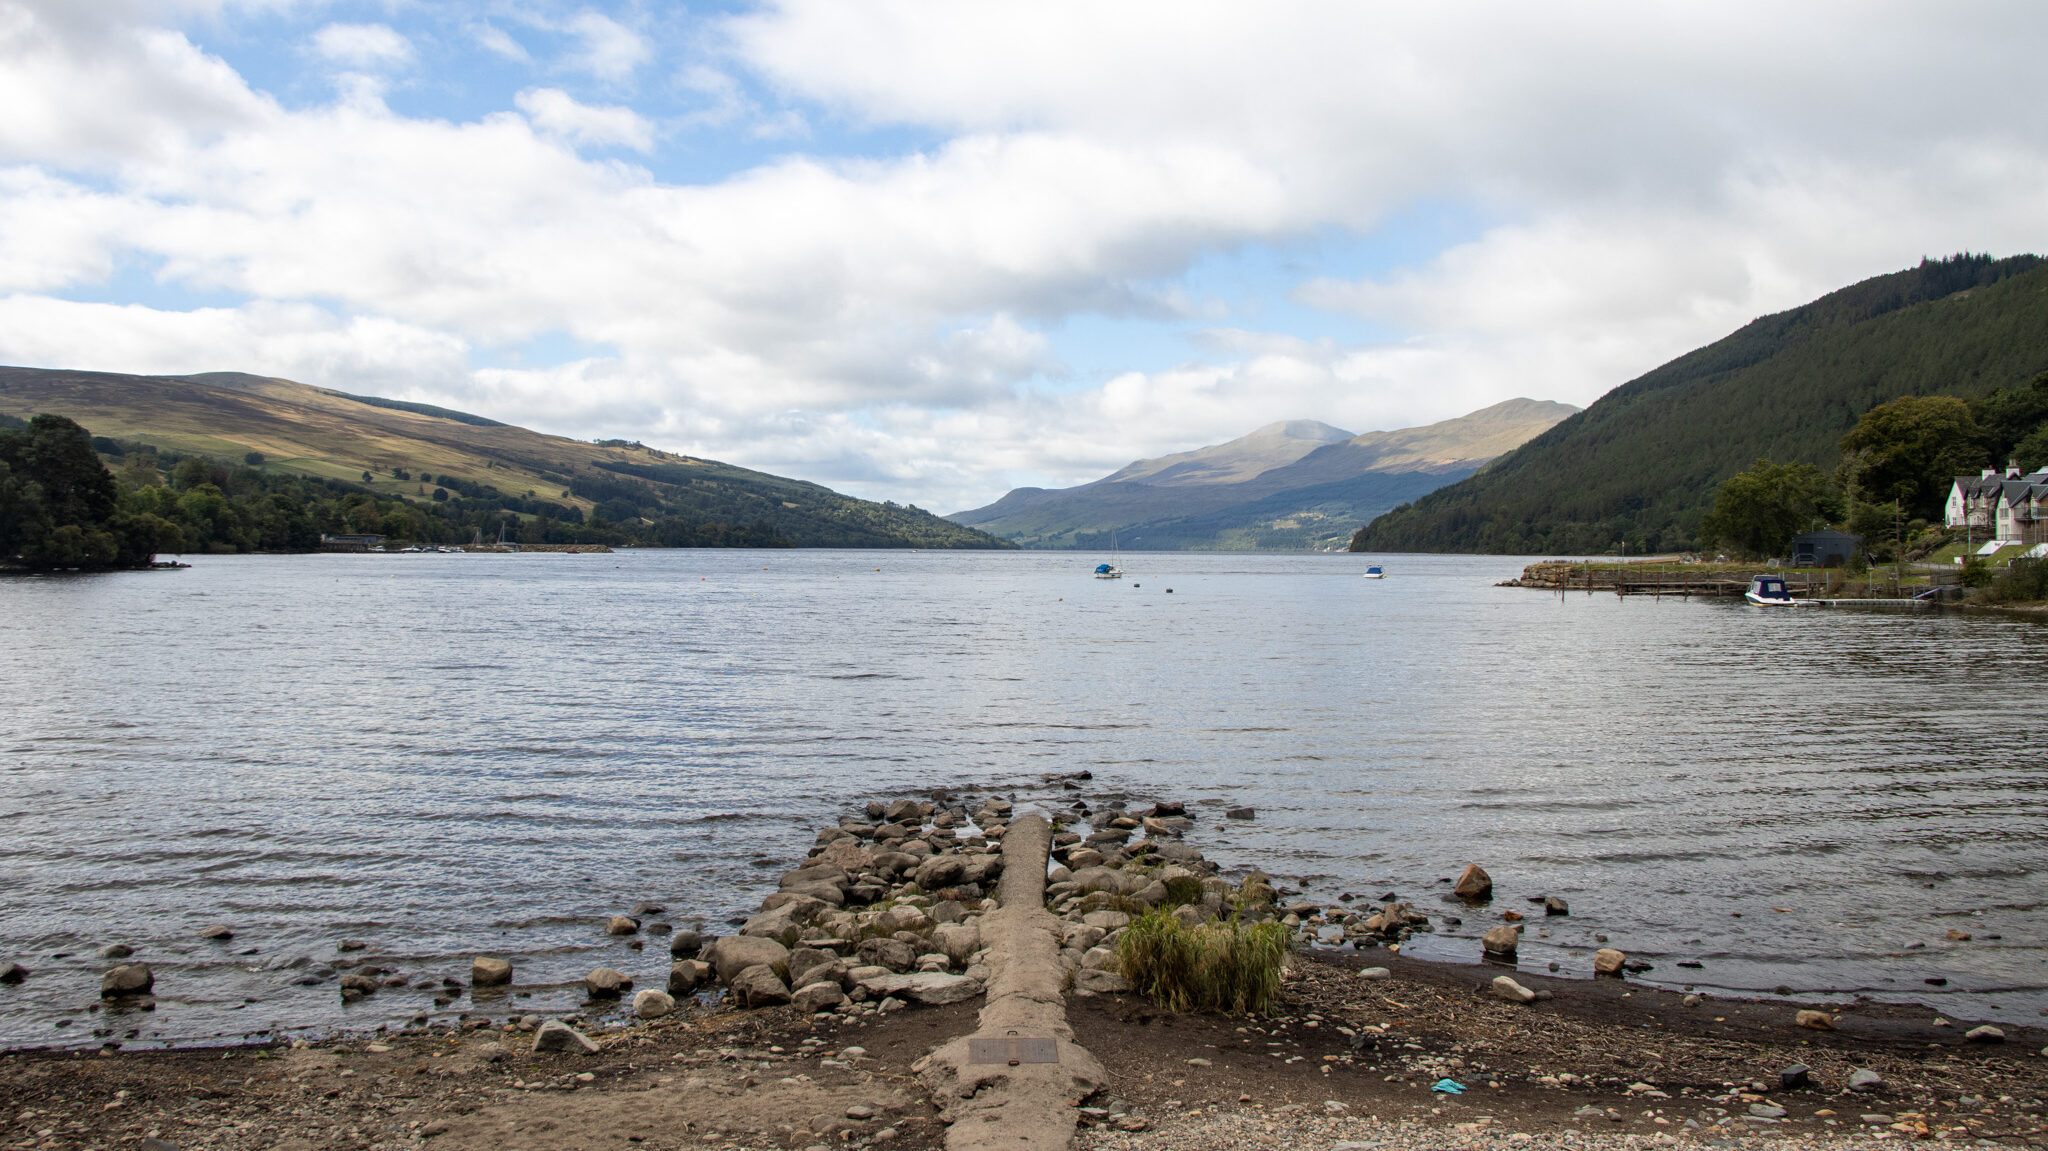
point(1234, 495)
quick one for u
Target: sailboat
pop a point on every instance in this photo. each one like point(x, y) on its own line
point(1110, 570)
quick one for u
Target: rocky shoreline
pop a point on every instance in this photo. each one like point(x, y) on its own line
point(812, 1022)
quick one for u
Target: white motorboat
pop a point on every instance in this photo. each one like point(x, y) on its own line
point(1374, 572)
point(1769, 591)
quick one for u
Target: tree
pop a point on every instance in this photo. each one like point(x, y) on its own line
point(1757, 512)
point(2014, 424)
point(57, 502)
point(1909, 451)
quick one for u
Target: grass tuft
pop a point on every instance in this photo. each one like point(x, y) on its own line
point(1231, 967)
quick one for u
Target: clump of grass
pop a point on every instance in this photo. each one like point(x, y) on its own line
point(1230, 966)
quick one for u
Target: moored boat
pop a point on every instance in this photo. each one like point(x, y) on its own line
point(1769, 591)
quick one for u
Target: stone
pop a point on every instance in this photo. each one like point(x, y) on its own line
point(116, 951)
point(1985, 1034)
point(1375, 973)
point(1101, 982)
point(957, 941)
point(833, 970)
point(685, 944)
point(735, 953)
point(360, 984)
point(904, 917)
point(127, 979)
point(1084, 857)
point(1151, 895)
point(759, 986)
point(1107, 920)
point(934, 962)
point(1817, 1020)
point(1503, 940)
point(1513, 992)
point(1864, 1079)
point(1099, 878)
point(893, 954)
point(484, 971)
point(1796, 1076)
point(687, 975)
point(1473, 883)
point(155, 1144)
point(652, 1004)
point(645, 908)
point(555, 1035)
point(928, 987)
point(1240, 813)
point(12, 973)
point(1099, 959)
point(948, 911)
point(824, 995)
point(1609, 961)
point(1767, 1110)
point(830, 893)
point(783, 925)
point(605, 983)
point(621, 925)
point(219, 932)
point(1552, 905)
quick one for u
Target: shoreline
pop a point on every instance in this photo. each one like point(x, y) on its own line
point(1349, 1052)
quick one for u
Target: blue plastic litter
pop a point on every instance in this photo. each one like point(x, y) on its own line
point(1449, 1087)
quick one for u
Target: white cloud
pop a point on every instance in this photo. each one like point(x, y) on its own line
point(363, 46)
point(1649, 178)
point(608, 50)
point(557, 113)
point(496, 40)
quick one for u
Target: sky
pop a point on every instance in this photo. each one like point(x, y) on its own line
point(929, 250)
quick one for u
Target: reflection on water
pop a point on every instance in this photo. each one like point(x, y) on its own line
point(440, 755)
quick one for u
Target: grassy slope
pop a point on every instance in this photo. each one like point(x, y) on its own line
point(331, 434)
point(1645, 459)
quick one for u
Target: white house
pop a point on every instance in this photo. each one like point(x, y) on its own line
point(2006, 506)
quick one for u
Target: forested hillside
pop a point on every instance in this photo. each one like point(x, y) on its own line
point(1642, 464)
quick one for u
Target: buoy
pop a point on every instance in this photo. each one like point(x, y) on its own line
point(1169, 591)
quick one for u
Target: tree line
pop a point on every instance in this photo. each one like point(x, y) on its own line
point(62, 507)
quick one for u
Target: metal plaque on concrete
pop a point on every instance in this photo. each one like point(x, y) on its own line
point(1012, 1050)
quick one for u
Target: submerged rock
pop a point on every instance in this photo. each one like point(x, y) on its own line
point(1473, 883)
point(486, 971)
point(219, 932)
point(621, 925)
point(127, 979)
point(605, 983)
point(1504, 940)
point(12, 973)
point(685, 944)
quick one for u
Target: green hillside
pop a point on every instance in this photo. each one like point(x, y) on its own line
point(451, 475)
point(1643, 462)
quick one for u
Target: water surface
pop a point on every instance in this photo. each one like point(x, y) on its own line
point(446, 754)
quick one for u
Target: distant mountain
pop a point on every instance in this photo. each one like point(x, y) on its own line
point(408, 449)
point(1294, 485)
point(1643, 462)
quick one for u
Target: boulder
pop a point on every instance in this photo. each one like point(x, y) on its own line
point(735, 953)
point(1513, 992)
point(360, 984)
point(816, 872)
point(1100, 878)
point(1473, 883)
point(1151, 895)
point(1375, 973)
point(1796, 1076)
point(928, 987)
point(948, 911)
point(1100, 982)
point(1864, 1079)
point(784, 924)
point(1240, 813)
point(687, 975)
point(685, 944)
point(759, 986)
point(957, 940)
point(1107, 920)
point(894, 863)
point(127, 979)
point(893, 954)
point(1817, 1020)
point(485, 971)
point(829, 893)
point(12, 973)
point(1504, 940)
point(832, 971)
point(116, 951)
point(824, 995)
point(1553, 905)
point(1985, 1034)
point(1099, 959)
point(555, 1035)
point(219, 932)
point(904, 917)
point(904, 811)
point(1083, 936)
point(652, 1004)
point(621, 925)
point(942, 871)
point(1084, 857)
point(1609, 961)
point(605, 983)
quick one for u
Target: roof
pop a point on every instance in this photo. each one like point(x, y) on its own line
point(1829, 535)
